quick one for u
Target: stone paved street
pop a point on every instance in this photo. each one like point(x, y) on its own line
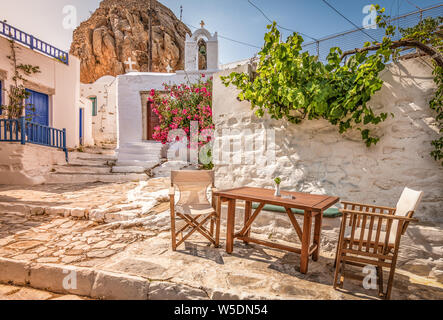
point(88, 196)
point(46, 239)
point(129, 249)
point(8, 292)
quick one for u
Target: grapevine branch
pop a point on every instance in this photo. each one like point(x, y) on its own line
point(433, 53)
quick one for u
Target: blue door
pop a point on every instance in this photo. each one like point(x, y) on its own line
point(81, 126)
point(37, 107)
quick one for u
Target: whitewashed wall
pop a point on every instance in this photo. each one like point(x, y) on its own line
point(314, 157)
point(86, 105)
point(27, 164)
point(104, 124)
point(60, 81)
point(129, 104)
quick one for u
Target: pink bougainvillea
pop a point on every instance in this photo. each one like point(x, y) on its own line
point(178, 105)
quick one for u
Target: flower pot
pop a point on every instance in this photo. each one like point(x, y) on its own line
point(277, 190)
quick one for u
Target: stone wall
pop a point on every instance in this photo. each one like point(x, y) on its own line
point(27, 164)
point(314, 157)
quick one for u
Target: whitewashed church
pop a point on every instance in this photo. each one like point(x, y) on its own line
point(124, 113)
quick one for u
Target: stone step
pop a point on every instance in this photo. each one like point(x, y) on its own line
point(91, 162)
point(73, 168)
point(99, 159)
point(142, 148)
point(137, 163)
point(142, 143)
point(128, 169)
point(79, 178)
point(139, 152)
point(85, 155)
point(149, 157)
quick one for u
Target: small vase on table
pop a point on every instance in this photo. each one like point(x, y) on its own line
point(277, 187)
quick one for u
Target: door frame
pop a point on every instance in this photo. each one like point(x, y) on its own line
point(49, 105)
point(81, 127)
point(144, 95)
point(148, 120)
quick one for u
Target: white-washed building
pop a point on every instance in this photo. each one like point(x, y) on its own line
point(54, 93)
point(136, 149)
point(103, 96)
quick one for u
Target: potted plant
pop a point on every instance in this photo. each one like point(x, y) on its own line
point(277, 187)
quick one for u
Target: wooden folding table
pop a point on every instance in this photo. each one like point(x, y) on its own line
point(313, 206)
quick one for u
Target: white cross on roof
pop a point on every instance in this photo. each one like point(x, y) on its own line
point(130, 63)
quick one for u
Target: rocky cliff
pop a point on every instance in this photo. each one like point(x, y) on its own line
point(119, 30)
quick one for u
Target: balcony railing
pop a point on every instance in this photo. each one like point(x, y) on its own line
point(20, 130)
point(33, 43)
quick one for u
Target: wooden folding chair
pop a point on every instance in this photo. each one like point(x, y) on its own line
point(370, 235)
point(193, 207)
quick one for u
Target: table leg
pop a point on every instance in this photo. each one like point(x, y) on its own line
point(306, 240)
point(317, 233)
point(230, 226)
point(248, 211)
point(217, 224)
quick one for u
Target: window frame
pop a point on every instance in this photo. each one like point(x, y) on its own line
point(93, 99)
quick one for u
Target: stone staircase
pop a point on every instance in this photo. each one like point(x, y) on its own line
point(93, 165)
point(100, 164)
point(138, 157)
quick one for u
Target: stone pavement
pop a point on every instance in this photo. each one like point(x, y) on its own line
point(46, 234)
point(129, 255)
point(94, 201)
point(8, 292)
point(46, 239)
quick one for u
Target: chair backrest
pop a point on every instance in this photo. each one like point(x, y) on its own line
point(407, 204)
point(192, 185)
point(409, 201)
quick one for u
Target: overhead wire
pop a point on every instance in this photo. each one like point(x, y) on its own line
point(281, 27)
point(350, 21)
point(229, 39)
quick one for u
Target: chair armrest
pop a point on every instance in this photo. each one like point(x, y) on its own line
point(373, 214)
point(370, 206)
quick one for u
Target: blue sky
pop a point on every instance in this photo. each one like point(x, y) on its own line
point(235, 19)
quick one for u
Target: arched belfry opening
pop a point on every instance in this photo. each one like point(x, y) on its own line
point(201, 51)
point(202, 55)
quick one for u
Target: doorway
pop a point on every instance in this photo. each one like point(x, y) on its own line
point(152, 121)
point(37, 107)
point(82, 126)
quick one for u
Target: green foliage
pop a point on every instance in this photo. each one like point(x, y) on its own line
point(294, 85)
point(427, 33)
point(17, 93)
point(208, 164)
point(277, 180)
point(437, 105)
